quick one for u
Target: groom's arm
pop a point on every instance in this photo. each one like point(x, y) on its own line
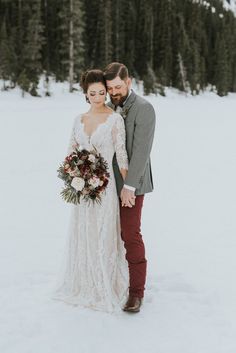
point(142, 145)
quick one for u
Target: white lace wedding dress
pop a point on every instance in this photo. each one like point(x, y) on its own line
point(95, 271)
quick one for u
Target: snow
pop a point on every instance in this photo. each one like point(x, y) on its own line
point(188, 225)
point(230, 5)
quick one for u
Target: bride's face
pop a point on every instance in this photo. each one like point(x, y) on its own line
point(96, 94)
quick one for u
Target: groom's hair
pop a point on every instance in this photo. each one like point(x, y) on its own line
point(116, 69)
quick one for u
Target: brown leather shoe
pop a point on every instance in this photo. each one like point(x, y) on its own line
point(133, 304)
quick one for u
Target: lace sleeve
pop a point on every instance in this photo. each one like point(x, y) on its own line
point(118, 134)
point(73, 143)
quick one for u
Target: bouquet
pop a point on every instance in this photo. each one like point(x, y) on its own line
point(85, 174)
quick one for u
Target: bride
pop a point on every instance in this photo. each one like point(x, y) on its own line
point(95, 272)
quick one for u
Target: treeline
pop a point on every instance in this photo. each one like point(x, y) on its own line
point(186, 44)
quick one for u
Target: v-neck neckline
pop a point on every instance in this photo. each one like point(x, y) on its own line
point(89, 136)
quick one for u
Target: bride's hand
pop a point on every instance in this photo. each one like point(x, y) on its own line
point(127, 198)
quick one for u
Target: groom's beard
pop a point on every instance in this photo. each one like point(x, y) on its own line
point(118, 99)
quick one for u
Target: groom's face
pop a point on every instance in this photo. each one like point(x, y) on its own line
point(118, 89)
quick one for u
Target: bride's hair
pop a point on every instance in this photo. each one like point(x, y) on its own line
point(91, 76)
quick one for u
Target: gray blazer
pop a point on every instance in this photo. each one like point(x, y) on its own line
point(139, 117)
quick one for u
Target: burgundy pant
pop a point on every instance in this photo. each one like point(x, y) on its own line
point(135, 250)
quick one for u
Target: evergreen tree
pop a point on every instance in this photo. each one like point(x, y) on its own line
point(31, 49)
point(46, 45)
point(6, 56)
point(118, 29)
point(103, 41)
point(180, 43)
point(71, 47)
point(24, 82)
point(221, 68)
point(180, 50)
point(91, 33)
point(164, 59)
point(141, 56)
point(129, 35)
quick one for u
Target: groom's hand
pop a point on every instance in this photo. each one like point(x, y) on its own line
point(127, 198)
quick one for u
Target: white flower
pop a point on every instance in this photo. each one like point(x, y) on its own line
point(78, 183)
point(91, 158)
point(80, 148)
point(94, 182)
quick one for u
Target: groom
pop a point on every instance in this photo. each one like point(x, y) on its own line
point(139, 117)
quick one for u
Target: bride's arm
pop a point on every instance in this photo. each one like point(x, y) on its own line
point(73, 143)
point(119, 137)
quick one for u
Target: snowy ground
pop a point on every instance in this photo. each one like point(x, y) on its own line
point(189, 228)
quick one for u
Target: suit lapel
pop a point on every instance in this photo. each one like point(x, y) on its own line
point(128, 104)
point(130, 100)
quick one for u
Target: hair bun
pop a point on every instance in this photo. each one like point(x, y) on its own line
point(91, 76)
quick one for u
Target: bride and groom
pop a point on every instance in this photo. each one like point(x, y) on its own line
point(105, 264)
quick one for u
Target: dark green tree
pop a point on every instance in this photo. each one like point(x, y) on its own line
point(179, 43)
point(222, 67)
point(7, 56)
point(71, 47)
point(31, 48)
